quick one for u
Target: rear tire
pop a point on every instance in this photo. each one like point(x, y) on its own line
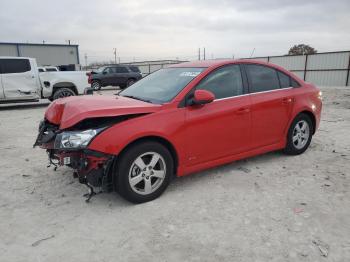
point(144, 171)
point(96, 85)
point(63, 92)
point(299, 135)
point(130, 82)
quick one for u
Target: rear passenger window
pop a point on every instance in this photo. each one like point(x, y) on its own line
point(223, 82)
point(121, 70)
point(10, 66)
point(262, 78)
point(284, 79)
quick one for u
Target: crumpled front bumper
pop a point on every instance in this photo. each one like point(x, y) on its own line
point(91, 167)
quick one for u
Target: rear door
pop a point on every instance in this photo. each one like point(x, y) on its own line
point(19, 81)
point(122, 74)
point(272, 104)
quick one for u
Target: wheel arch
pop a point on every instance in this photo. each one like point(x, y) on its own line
point(312, 117)
point(160, 140)
point(69, 85)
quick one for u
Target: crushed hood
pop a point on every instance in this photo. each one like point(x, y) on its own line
point(66, 112)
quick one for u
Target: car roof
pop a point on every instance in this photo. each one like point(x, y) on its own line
point(216, 63)
point(212, 64)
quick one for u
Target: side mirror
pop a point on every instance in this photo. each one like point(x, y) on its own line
point(104, 72)
point(202, 97)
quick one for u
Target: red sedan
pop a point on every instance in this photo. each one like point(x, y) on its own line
point(179, 120)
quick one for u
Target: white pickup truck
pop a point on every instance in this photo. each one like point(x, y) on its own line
point(20, 80)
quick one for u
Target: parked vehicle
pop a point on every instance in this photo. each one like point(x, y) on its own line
point(179, 120)
point(114, 75)
point(20, 81)
point(48, 69)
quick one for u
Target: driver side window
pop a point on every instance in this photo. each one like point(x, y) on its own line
point(223, 82)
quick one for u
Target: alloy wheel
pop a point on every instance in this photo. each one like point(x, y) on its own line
point(95, 85)
point(147, 173)
point(301, 134)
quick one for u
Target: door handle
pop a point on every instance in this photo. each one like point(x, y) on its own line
point(287, 100)
point(243, 110)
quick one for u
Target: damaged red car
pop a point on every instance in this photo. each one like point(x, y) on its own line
point(179, 120)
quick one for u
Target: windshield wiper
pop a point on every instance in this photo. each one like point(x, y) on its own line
point(138, 98)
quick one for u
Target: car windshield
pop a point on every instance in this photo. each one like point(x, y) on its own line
point(163, 85)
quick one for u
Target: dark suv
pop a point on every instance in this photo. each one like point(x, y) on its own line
point(114, 75)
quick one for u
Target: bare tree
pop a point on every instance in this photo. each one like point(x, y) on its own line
point(302, 49)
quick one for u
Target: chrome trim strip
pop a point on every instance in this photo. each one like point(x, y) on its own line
point(274, 90)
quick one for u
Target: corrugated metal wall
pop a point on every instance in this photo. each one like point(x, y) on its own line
point(323, 69)
point(45, 54)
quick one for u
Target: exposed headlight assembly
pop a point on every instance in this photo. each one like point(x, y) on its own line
point(75, 139)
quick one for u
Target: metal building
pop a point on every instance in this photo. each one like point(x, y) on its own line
point(45, 54)
point(324, 69)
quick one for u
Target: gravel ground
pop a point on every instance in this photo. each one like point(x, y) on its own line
point(267, 208)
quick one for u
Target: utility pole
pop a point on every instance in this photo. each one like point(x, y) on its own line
point(199, 53)
point(252, 52)
point(203, 53)
point(68, 42)
point(115, 55)
point(86, 57)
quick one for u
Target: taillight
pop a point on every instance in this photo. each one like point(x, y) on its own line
point(89, 77)
point(320, 95)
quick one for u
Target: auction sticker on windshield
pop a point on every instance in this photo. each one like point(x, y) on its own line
point(191, 74)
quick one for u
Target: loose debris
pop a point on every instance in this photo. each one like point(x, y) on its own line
point(322, 246)
point(37, 243)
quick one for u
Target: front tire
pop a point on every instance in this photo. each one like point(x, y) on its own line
point(144, 172)
point(96, 85)
point(299, 135)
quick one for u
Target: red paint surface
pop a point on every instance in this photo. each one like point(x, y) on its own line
point(202, 136)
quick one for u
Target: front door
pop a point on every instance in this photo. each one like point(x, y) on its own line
point(18, 79)
point(108, 76)
point(272, 103)
point(221, 128)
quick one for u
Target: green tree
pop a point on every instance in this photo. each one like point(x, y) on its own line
point(302, 49)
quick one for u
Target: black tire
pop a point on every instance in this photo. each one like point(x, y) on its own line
point(130, 82)
point(122, 86)
point(96, 85)
point(63, 92)
point(126, 164)
point(291, 148)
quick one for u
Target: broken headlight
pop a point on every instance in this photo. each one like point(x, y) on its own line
point(75, 139)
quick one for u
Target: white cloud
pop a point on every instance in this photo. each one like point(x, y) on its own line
point(157, 29)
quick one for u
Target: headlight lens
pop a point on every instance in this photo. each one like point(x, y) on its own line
point(75, 139)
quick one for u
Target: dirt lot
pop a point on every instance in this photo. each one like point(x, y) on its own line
point(267, 208)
